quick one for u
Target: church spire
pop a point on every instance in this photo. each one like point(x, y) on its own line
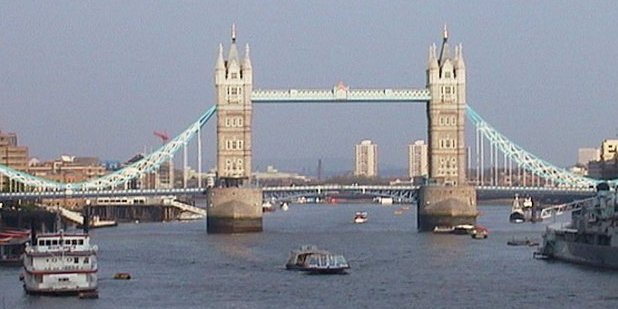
point(233, 33)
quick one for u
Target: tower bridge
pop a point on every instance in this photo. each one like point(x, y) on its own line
point(235, 206)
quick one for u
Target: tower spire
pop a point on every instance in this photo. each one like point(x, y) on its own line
point(444, 49)
point(233, 32)
point(445, 33)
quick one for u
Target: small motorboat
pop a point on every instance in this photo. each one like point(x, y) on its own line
point(479, 232)
point(122, 276)
point(284, 206)
point(522, 242)
point(360, 217)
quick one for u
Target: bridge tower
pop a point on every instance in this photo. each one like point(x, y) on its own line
point(233, 205)
point(447, 199)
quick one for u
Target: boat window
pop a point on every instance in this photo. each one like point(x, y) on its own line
point(54, 242)
point(67, 241)
point(41, 242)
point(86, 260)
point(80, 241)
point(75, 260)
point(73, 242)
point(48, 242)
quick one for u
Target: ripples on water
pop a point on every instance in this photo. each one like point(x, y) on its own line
point(179, 265)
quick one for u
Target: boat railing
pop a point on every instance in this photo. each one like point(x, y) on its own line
point(548, 212)
point(63, 268)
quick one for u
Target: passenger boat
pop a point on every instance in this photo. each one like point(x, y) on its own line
point(12, 244)
point(463, 229)
point(443, 229)
point(360, 217)
point(517, 211)
point(60, 264)
point(327, 264)
point(591, 237)
point(298, 257)
point(311, 259)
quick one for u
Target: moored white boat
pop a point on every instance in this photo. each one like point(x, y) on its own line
point(267, 207)
point(60, 263)
point(517, 213)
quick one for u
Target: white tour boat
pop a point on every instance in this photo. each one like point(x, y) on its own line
point(60, 263)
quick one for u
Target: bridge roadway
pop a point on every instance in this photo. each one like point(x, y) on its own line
point(399, 193)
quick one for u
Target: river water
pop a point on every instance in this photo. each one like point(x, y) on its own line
point(179, 265)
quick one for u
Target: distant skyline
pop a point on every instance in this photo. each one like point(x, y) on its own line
point(97, 78)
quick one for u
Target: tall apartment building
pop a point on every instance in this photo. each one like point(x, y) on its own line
point(11, 155)
point(418, 161)
point(366, 159)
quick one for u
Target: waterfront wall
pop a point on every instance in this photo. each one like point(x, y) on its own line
point(130, 213)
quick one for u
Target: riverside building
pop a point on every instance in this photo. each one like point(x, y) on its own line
point(13, 156)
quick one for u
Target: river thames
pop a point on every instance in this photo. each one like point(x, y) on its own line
point(179, 265)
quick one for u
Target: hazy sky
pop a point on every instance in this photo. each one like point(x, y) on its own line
point(97, 78)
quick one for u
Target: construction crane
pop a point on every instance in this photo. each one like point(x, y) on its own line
point(170, 174)
point(162, 135)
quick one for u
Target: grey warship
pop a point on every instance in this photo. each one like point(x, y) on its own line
point(591, 238)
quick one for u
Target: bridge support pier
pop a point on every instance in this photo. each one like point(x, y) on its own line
point(234, 210)
point(440, 205)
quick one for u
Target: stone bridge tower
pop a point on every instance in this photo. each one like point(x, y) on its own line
point(233, 205)
point(447, 199)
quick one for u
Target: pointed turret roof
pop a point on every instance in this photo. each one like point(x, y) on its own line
point(246, 61)
point(220, 64)
point(432, 61)
point(459, 59)
point(233, 54)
